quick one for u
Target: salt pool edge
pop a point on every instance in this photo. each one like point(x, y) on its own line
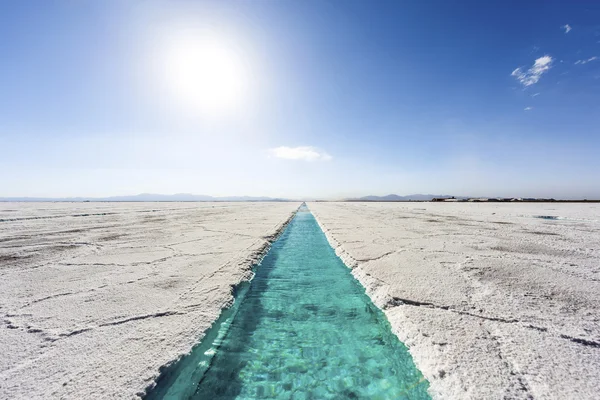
point(167, 369)
point(368, 283)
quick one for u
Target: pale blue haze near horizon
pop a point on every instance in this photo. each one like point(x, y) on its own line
point(315, 98)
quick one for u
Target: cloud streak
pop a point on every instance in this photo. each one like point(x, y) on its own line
point(567, 28)
point(586, 61)
point(533, 74)
point(302, 153)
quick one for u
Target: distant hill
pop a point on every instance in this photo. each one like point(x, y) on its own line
point(146, 197)
point(395, 197)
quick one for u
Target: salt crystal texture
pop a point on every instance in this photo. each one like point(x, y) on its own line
point(492, 301)
point(96, 297)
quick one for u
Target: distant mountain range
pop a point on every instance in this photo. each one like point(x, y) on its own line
point(147, 197)
point(200, 197)
point(395, 197)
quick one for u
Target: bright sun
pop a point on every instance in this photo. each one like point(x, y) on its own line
point(203, 74)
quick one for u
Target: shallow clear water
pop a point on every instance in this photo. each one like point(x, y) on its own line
point(303, 328)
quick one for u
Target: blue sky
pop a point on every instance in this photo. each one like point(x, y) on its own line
point(329, 98)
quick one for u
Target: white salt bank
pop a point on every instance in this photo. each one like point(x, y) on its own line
point(493, 300)
point(96, 297)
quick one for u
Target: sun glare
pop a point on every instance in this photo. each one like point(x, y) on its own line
point(203, 74)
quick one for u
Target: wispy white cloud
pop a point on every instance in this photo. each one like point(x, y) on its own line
point(528, 109)
point(533, 74)
point(587, 61)
point(567, 28)
point(304, 153)
point(535, 95)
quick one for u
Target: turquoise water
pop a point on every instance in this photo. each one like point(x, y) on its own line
point(303, 328)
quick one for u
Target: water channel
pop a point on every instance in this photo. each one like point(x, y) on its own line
point(303, 328)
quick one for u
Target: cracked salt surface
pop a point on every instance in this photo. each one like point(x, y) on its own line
point(302, 328)
point(96, 297)
point(490, 304)
point(503, 305)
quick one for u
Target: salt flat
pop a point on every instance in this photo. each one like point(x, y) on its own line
point(492, 301)
point(95, 297)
